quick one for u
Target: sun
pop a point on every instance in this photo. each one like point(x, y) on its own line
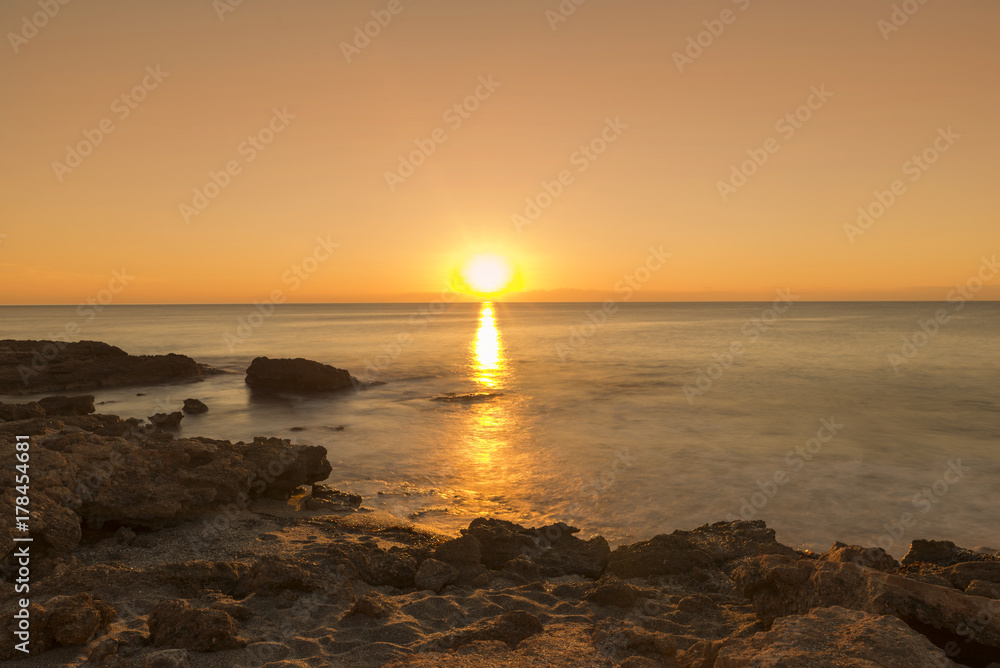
point(486, 275)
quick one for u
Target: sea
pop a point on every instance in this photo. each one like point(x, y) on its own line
point(868, 423)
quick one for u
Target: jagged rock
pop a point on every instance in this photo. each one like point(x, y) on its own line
point(661, 555)
point(326, 493)
point(374, 605)
point(146, 482)
point(297, 375)
point(779, 586)
point(961, 575)
point(194, 406)
point(167, 420)
point(11, 412)
point(435, 575)
point(60, 621)
point(553, 548)
point(31, 427)
point(60, 406)
point(282, 471)
point(870, 557)
point(175, 623)
point(464, 550)
point(941, 553)
point(983, 588)
point(833, 637)
point(725, 542)
point(28, 367)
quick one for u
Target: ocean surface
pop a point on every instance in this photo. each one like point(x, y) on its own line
point(830, 421)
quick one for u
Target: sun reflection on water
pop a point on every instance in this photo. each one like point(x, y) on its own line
point(489, 366)
point(488, 350)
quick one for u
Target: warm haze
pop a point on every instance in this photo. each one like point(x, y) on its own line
point(306, 135)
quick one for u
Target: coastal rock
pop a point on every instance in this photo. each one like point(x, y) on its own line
point(376, 566)
point(871, 557)
point(29, 411)
point(941, 553)
point(553, 548)
point(963, 574)
point(462, 551)
point(661, 555)
point(284, 467)
point(984, 589)
point(32, 427)
point(435, 575)
point(725, 542)
point(194, 406)
point(834, 637)
point(60, 406)
point(175, 623)
point(60, 621)
point(321, 492)
point(28, 367)
point(297, 375)
point(779, 586)
point(613, 593)
point(146, 481)
point(167, 420)
point(564, 554)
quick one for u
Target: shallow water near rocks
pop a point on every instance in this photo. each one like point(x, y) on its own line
point(809, 427)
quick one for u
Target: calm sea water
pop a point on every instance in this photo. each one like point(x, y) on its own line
point(625, 429)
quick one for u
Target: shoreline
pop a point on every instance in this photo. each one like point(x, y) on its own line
point(155, 550)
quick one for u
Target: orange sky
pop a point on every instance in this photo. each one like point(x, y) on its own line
point(280, 70)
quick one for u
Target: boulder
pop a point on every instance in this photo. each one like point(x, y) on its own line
point(321, 492)
point(661, 555)
point(554, 548)
point(833, 637)
point(282, 468)
point(29, 411)
point(725, 542)
point(61, 621)
point(146, 481)
point(177, 624)
point(297, 375)
point(28, 367)
point(462, 551)
point(60, 405)
point(167, 420)
point(871, 557)
point(779, 586)
point(941, 553)
point(194, 406)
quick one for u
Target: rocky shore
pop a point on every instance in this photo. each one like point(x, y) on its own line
point(153, 551)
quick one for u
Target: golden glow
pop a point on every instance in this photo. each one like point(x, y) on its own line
point(488, 349)
point(486, 275)
point(501, 184)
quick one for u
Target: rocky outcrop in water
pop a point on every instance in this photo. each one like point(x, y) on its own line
point(29, 367)
point(297, 375)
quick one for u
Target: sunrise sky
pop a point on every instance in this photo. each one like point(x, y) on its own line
point(211, 75)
